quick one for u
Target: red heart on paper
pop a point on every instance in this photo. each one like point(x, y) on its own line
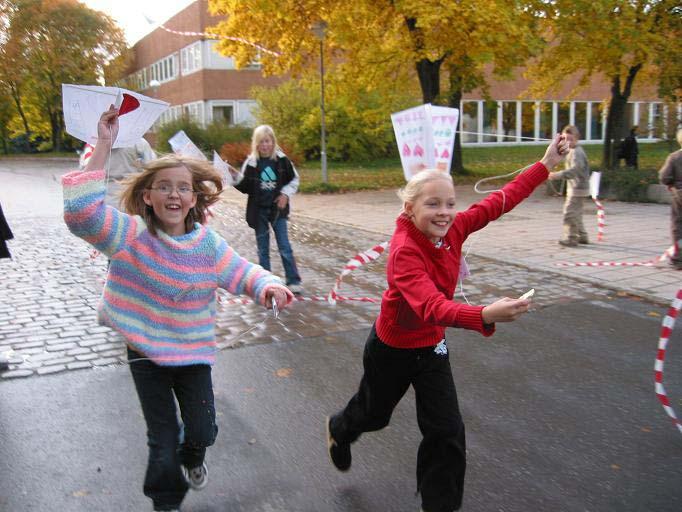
point(128, 104)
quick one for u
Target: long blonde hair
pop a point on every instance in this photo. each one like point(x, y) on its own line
point(206, 181)
point(259, 133)
point(410, 192)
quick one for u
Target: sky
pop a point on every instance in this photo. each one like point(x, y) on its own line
point(130, 14)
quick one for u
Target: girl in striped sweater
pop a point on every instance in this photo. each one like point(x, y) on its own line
point(160, 295)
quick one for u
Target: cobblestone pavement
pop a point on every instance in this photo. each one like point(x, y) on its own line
point(51, 288)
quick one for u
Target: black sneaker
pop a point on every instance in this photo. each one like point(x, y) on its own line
point(339, 454)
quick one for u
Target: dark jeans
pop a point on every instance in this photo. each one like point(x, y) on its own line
point(279, 226)
point(441, 460)
point(676, 224)
point(171, 444)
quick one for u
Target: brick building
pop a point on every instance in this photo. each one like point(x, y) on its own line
point(194, 78)
point(201, 83)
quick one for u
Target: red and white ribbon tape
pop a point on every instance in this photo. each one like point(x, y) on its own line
point(666, 330)
point(669, 252)
point(319, 298)
point(218, 36)
point(601, 219)
point(356, 261)
point(85, 155)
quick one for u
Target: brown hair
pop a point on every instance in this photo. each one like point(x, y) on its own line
point(206, 181)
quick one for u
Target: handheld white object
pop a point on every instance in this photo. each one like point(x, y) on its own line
point(275, 309)
point(528, 294)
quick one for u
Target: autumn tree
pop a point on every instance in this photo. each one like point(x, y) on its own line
point(382, 43)
point(623, 41)
point(51, 42)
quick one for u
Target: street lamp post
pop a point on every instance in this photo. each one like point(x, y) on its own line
point(319, 28)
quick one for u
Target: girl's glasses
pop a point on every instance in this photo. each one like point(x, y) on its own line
point(166, 190)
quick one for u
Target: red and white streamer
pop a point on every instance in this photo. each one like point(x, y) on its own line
point(219, 36)
point(669, 252)
point(601, 219)
point(85, 155)
point(356, 261)
point(666, 330)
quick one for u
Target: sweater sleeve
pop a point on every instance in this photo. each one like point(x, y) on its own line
point(239, 276)
point(577, 167)
point(87, 217)
point(665, 175)
point(427, 302)
point(497, 203)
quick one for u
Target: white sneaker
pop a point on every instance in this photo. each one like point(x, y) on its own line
point(197, 478)
point(296, 289)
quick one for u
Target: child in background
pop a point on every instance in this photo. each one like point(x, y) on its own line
point(406, 346)
point(577, 174)
point(270, 179)
point(160, 295)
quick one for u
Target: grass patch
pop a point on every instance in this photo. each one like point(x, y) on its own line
point(479, 162)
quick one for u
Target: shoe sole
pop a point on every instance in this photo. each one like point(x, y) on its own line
point(330, 443)
point(185, 474)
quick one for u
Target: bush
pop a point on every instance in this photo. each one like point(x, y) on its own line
point(208, 139)
point(628, 184)
point(235, 152)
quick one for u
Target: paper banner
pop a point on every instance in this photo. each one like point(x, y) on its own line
point(183, 145)
point(425, 136)
point(595, 180)
point(83, 106)
point(223, 168)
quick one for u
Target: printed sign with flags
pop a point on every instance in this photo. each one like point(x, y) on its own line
point(83, 105)
point(183, 145)
point(425, 137)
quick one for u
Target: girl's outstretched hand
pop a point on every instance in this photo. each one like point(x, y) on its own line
point(555, 153)
point(505, 310)
point(280, 294)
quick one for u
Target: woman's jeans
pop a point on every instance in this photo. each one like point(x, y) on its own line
point(171, 444)
point(279, 226)
point(388, 373)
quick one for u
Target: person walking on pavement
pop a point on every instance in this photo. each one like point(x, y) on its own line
point(406, 346)
point(671, 175)
point(122, 163)
point(160, 295)
point(270, 179)
point(5, 234)
point(577, 175)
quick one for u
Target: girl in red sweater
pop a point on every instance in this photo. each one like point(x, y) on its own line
point(406, 345)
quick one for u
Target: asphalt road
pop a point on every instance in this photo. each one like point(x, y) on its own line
point(560, 412)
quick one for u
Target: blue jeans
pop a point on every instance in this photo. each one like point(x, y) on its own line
point(171, 444)
point(279, 226)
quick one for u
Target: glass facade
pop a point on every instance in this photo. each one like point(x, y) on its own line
point(596, 121)
point(580, 117)
point(509, 121)
point(469, 123)
point(489, 121)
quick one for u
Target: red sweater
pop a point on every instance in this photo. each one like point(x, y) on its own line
point(417, 306)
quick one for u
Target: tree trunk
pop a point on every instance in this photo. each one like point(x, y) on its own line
point(17, 102)
point(454, 100)
point(429, 79)
point(616, 126)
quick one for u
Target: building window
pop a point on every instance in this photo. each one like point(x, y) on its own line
point(164, 70)
point(580, 118)
point(509, 121)
point(546, 130)
point(656, 127)
point(490, 121)
point(223, 114)
point(190, 58)
point(596, 123)
point(469, 123)
point(527, 120)
point(563, 115)
point(194, 112)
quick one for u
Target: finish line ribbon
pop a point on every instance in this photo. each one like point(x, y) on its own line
point(669, 253)
point(666, 329)
point(601, 219)
point(356, 261)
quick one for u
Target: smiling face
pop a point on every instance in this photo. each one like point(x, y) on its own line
point(571, 139)
point(170, 205)
point(433, 210)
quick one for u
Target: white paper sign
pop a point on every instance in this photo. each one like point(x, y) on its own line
point(183, 145)
point(83, 105)
point(595, 180)
point(425, 137)
point(223, 168)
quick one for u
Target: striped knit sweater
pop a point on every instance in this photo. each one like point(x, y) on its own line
point(160, 290)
